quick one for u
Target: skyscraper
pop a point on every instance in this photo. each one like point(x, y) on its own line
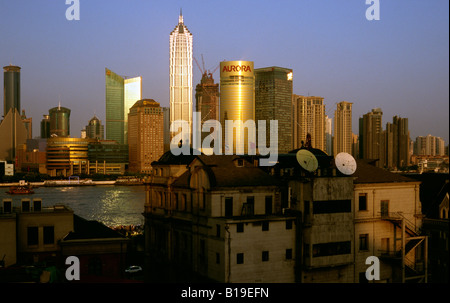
point(371, 137)
point(180, 74)
point(11, 92)
point(329, 135)
point(59, 121)
point(237, 103)
point(273, 101)
point(45, 127)
point(95, 129)
point(343, 128)
point(121, 94)
point(146, 135)
point(115, 116)
point(397, 143)
point(309, 118)
point(132, 93)
point(207, 100)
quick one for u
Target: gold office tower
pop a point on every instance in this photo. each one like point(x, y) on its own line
point(237, 102)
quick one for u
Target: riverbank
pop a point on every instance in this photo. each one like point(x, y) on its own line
point(53, 183)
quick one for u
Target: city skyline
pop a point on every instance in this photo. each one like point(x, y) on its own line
point(333, 50)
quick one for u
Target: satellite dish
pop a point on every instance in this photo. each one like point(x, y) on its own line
point(345, 163)
point(307, 160)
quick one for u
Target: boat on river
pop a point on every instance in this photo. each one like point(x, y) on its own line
point(22, 189)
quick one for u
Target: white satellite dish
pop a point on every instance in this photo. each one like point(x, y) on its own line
point(307, 160)
point(345, 163)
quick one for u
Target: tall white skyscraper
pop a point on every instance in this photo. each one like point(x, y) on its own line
point(181, 77)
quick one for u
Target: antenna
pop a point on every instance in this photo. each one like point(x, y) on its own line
point(345, 163)
point(307, 160)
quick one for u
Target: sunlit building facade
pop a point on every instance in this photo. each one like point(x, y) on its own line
point(67, 156)
point(343, 140)
point(237, 103)
point(146, 138)
point(180, 73)
point(309, 118)
point(132, 93)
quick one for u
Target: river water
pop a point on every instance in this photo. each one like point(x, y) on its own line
point(110, 204)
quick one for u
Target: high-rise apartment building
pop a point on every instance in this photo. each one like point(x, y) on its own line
point(237, 103)
point(397, 143)
point(59, 121)
point(329, 135)
point(121, 94)
point(429, 146)
point(273, 101)
point(146, 135)
point(343, 128)
point(371, 137)
point(11, 92)
point(180, 73)
point(309, 118)
point(207, 100)
point(95, 129)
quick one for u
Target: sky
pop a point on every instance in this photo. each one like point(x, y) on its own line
point(399, 63)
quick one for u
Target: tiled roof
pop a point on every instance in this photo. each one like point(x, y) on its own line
point(84, 229)
point(368, 173)
point(223, 172)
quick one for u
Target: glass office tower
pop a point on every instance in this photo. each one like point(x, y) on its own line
point(121, 94)
point(11, 88)
point(115, 117)
point(181, 76)
point(273, 101)
point(59, 122)
point(133, 93)
point(237, 102)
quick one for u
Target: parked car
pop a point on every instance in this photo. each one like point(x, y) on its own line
point(133, 269)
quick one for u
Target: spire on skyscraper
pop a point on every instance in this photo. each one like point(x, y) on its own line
point(180, 18)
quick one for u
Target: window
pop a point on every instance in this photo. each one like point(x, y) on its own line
point(32, 236)
point(385, 208)
point(49, 235)
point(364, 242)
point(362, 202)
point(331, 249)
point(228, 207)
point(332, 206)
point(288, 224)
point(37, 205)
point(240, 258)
point(218, 230)
point(289, 254)
point(217, 258)
point(240, 227)
point(26, 205)
point(265, 256)
point(268, 205)
point(265, 226)
point(7, 207)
